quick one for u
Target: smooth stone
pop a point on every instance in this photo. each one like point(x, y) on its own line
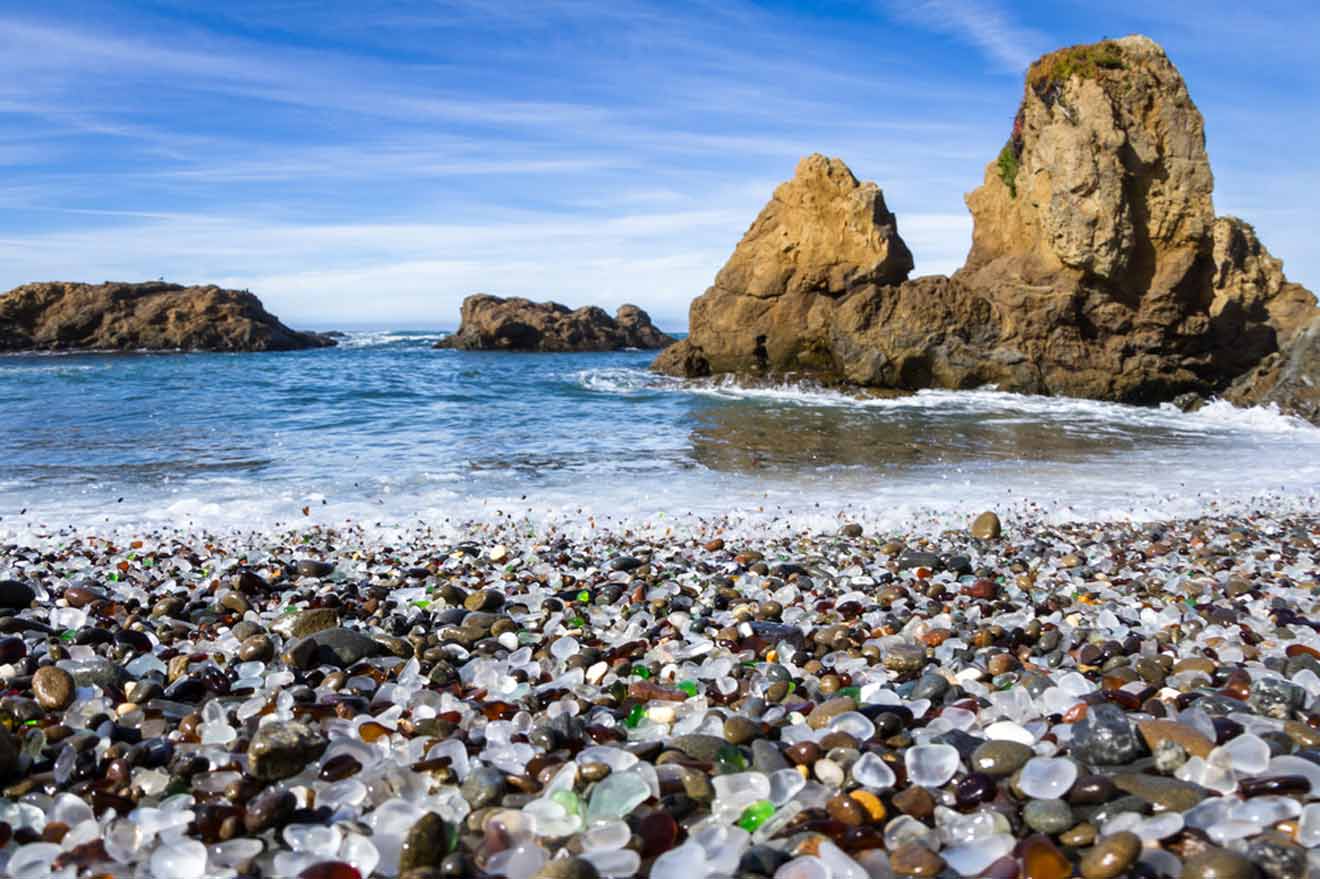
point(739, 730)
point(700, 747)
point(426, 844)
point(822, 714)
point(1167, 794)
point(1041, 859)
point(313, 568)
point(1000, 757)
point(987, 526)
point(53, 688)
point(914, 859)
point(338, 647)
point(256, 648)
point(1112, 855)
point(1218, 863)
point(16, 595)
point(485, 601)
point(1106, 737)
point(309, 622)
point(1048, 816)
point(484, 787)
point(282, 749)
point(1156, 732)
point(567, 868)
point(1277, 857)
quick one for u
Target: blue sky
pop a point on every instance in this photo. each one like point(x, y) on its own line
point(371, 162)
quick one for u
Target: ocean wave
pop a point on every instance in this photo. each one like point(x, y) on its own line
point(380, 338)
point(1006, 407)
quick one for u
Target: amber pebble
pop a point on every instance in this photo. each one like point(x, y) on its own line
point(658, 832)
point(915, 801)
point(844, 808)
point(803, 753)
point(914, 859)
point(370, 731)
point(1111, 856)
point(1077, 837)
point(54, 832)
point(330, 870)
point(875, 809)
point(1075, 713)
point(714, 545)
point(1299, 649)
point(1041, 859)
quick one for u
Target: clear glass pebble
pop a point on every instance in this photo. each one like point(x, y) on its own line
point(931, 765)
point(1047, 778)
point(872, 773)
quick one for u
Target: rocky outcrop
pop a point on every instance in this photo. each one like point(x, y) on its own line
point(1097, 269)
point(490, 323)
point(150, 316)
point(1288, 379)
point(822, 236)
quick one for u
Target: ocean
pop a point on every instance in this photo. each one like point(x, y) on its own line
point(384, 430)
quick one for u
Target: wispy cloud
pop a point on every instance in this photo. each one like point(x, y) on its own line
point(980, 23)
point(377, 166)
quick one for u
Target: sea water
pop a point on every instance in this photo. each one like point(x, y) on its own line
point(385, 430)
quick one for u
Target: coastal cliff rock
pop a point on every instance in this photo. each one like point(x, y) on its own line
point(490, 323)
point(151, 316)
point(822, 236)
point(1097, 269)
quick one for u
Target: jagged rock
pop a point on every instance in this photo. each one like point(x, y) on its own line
point(490, 323)
point(151, 316)
point(822, 235)
point(1289, 379)
point(1097, 268)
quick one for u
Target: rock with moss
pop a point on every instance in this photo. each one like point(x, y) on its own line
point(1098, 268)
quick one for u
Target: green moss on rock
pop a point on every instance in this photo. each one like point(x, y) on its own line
point(1008, 167)
point(1085, 61)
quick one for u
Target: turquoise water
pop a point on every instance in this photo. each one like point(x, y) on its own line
point(388, 429)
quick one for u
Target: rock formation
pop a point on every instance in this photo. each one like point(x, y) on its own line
point(150, 316)
point(490, 323)
point(1097, 269)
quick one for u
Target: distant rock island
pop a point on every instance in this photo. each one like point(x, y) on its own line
point(152, 316)
point(490, 323)
point(1098, 267)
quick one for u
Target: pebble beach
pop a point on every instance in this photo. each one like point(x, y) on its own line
point(518, 699)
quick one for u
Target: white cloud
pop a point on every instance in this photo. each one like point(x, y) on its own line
point(981, 23)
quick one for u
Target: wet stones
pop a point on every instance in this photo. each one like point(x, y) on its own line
point(16, 595)
point(1106, 737)
point(338, 647)
point(1000, 758)
point(1276, 697)
point(282, 749)
point(426, 844)
point(53, 688)
point(484, 787)
point(1111, 856)
point(1218, 863)
point(986, 527)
